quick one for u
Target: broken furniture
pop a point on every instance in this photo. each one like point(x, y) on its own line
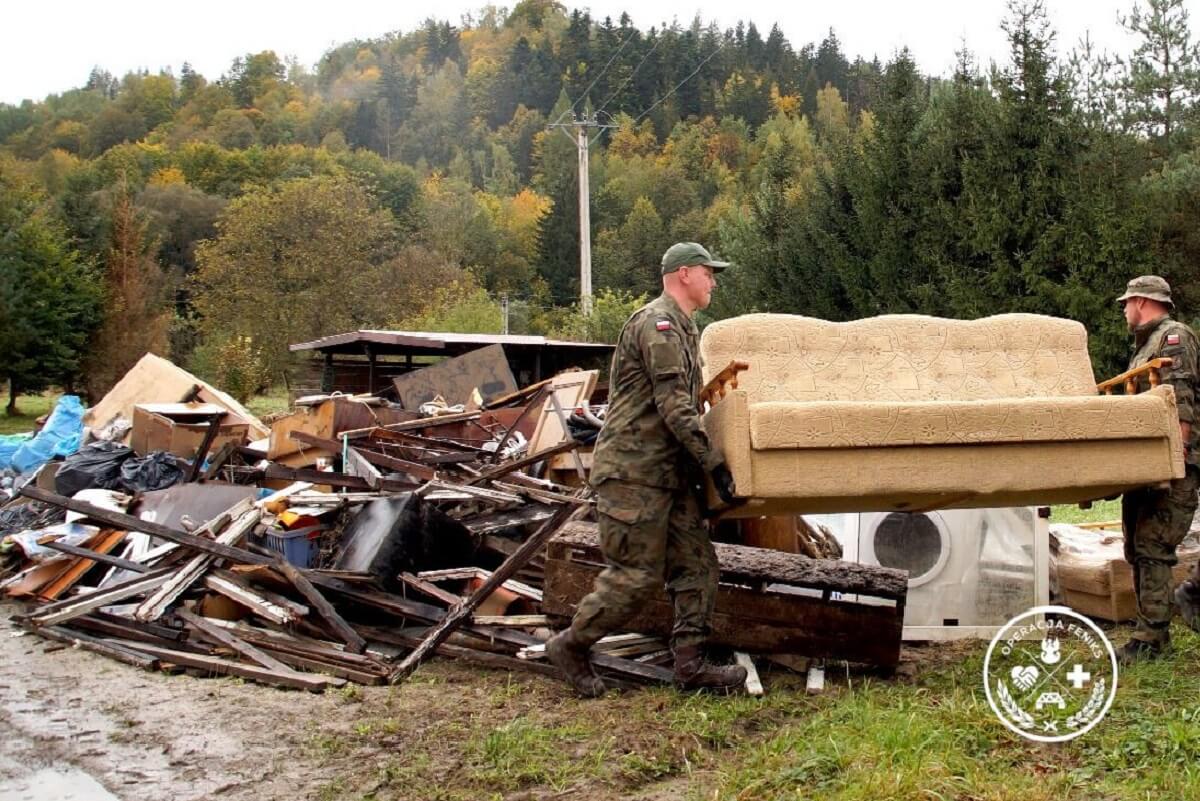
point(767, 602)
point(180, 428)
point(906, 412)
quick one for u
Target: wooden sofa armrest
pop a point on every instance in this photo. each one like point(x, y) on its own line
point(722, 382)
point(1129, 377)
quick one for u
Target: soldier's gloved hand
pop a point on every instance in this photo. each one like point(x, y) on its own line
point(723, 481)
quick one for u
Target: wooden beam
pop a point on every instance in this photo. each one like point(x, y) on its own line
point(98, 645)
point(753, 682)
point(82, 604)
point(221, 637)
point(354, 643)
point(103, 558)
point(154, 606)
point(460, 614)
point(131, 523)
point(509, 467)
point(224, 667)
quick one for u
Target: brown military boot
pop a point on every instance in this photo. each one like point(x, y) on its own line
point(570, 655)
point(692, 672)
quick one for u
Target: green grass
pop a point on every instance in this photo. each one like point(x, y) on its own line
point(272, 401)
point(932, 736)
point(31, 407)
point(1101, 511)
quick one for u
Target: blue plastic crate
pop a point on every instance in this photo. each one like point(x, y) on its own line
point(300, 547)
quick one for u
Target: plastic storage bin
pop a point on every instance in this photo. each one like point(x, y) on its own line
point(300, 547)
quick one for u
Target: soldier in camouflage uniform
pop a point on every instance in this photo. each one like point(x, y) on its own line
point(653, 442)
point(1156, 520)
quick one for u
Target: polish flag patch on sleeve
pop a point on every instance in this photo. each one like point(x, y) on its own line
point(1172, 339)
point(665, 325)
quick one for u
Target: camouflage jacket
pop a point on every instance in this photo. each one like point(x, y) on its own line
point(1167, 337)
point(653, 427)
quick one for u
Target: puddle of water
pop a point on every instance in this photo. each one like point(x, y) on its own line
point(55, 784)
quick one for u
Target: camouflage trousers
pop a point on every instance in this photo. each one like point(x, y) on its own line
point(1155, 522)
point(650, 536)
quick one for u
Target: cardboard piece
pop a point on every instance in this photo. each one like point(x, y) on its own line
point(570, 389)
point(155, 380)
point(485, 369)
point(179, 428)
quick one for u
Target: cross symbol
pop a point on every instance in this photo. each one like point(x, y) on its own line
point(1078, 676)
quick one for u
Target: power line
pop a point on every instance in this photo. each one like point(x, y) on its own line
point(681, 83)
point(571, 110)
point(631, 75)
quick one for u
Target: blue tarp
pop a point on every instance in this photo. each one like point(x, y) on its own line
point(8, 446)
point(59, 437)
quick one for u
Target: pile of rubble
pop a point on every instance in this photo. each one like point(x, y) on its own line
point(353, 538)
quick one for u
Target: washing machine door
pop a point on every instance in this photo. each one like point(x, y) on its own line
point(918, 542)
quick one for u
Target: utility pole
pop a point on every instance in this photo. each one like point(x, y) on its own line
point(583, 140)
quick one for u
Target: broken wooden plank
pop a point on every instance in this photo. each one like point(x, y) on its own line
point(124, 628)
point(221, 637)
point(154, 606)
point(224, 667)
point(514, 621)
point(432, 590)
point(97, 645)
point(103, 558)
point(357, 465)
point(270, 606)
point(278, 472)
point(459, 614)
point(753, 682)
point(355, 643)
point(102, 543)
point(131, 523)
point(82, 604)
point(498, 521)
point(509, 467)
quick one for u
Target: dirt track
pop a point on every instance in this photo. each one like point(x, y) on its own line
point(145, 735)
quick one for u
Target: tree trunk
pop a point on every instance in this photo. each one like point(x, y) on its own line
point(11, 409)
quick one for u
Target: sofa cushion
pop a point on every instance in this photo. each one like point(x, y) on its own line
point(902, 358)
point(847, 424)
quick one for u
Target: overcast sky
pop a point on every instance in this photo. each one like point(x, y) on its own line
point(52, 46)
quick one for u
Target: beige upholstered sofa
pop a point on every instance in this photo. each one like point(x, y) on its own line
point(907, 412)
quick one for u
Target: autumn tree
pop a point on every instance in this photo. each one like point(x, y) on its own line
point(136, 315)
point(296, 262)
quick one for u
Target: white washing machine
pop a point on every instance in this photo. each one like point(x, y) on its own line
point(970, 570)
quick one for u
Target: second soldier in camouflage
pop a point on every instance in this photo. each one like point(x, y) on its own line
point(1156, 520)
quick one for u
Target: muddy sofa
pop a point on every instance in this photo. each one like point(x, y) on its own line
point(907, 412)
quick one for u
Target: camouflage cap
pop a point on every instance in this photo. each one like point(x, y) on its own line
point(689, 254)
point(1148, 286)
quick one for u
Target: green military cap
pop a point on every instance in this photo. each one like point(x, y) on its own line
point(689, 254)
point(1148, 286)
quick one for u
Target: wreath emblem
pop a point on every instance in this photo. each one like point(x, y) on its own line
point(1050, 674)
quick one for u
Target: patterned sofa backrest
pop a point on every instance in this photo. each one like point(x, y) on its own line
point(903, 357)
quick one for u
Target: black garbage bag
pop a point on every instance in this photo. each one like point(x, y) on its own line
point(156, 471)
point(95, 466)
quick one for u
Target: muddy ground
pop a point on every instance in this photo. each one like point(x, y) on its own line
point(79, 727)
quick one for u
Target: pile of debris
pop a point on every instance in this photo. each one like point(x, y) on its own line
point(354, 538)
